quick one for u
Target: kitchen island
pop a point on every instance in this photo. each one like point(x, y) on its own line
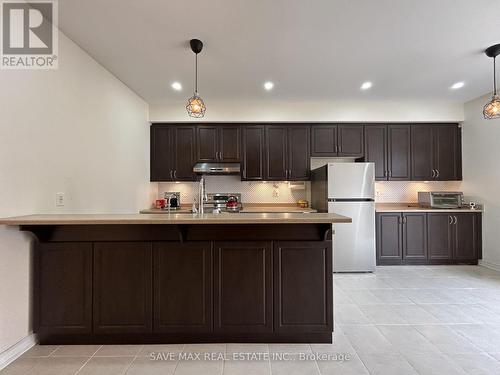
point(182, 278)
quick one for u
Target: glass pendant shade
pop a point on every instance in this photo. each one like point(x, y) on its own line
point(195, 106)
point(492, 108)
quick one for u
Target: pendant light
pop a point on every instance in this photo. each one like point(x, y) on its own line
point(195, 105)
point(492, 108)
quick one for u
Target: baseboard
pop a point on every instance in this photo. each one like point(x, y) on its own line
point(487, 264)
point(16, 350)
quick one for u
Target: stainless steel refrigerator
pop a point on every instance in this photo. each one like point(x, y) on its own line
point(348, 189)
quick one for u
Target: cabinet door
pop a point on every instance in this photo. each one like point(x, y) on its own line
point(414, 237)
point(389, 238)
point(398, 137)
point(182, 287)
point(229, 143)
point(466, 236)
point(184, 153)
point(207, 143)
point(276, 153)
point(161, 159)
point(252, 145)
point(446, 149)
point(303, 286)
point(376, 149)
point(350, 140)
point(63, 288)
point(299, 164)
point(324, 140)
point(122, 287)
point(422, 153)
point(243, 277)
point(439, 232)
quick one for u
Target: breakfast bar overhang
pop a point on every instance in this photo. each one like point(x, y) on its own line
point(182, 278)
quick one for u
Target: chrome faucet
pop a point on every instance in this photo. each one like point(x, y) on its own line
point(202, 195)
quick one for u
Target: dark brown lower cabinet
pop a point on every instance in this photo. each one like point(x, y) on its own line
point(440, 236)
point(389, 238)
point(63, 288)
point(122, 287)
point(141, 284)
point(414, 237)
point(428, 238)
point(183, 287)
point(302, 275)
point(243, 284)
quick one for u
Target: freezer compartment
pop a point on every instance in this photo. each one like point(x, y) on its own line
point(354, 243)
point(351, 180)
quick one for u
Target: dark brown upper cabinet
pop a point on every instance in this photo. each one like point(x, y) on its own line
point(252, 148)
point(173, 152)
point(388, 146)
point(436, 152)
point(287, 153)
point(344, 140)
point(376, 149)
point(218, 143)
point(398, 160)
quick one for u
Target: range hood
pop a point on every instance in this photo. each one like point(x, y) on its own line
point(217, 168)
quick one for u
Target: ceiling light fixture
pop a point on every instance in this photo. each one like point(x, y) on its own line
point(457, 85)
point(195, 105)
point(176, 86)
point(366, 85)
point(492, 109)
point(268, 85)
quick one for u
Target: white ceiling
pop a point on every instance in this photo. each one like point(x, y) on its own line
point(311, 50)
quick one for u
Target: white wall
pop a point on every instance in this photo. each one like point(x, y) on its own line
point(350, 111)
point(481, 155)
point(76, 130)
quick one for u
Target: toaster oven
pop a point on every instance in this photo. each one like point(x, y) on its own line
point(440, 199)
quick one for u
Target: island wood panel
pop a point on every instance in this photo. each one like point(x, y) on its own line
point(122, 287)
point(63, 288)
point(183, 287)
point(303, 286)
point(243, 287)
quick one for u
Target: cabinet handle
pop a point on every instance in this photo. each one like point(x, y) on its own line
point(175, 174)
point(171, 175)
point(404, 219)
point(340, 148)
point(437, 173)
point(433, 173)
point(456, 220)
point(390, 174)
point(450, 219)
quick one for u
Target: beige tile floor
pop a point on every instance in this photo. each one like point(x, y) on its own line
point(400, 320)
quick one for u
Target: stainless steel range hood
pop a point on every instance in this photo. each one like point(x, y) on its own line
point(217, 168)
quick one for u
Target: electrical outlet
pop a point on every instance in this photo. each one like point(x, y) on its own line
point(60, 199)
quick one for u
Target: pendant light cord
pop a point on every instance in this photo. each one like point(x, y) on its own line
point(494, 76)
point(196, 73)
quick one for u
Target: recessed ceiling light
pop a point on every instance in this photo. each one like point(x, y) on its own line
point(366, 85)
point(268, 85)
point(457, 85)
point(176, 86)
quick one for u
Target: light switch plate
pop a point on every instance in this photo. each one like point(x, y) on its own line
point(60, 199)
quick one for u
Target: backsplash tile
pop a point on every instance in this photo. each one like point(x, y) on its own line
point(251, 191)
point(406, 191)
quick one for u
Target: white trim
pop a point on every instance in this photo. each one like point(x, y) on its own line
point(15, 351)
point(487, 264)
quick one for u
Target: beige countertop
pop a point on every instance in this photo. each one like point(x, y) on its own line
point(177, 218)
point(413, 207)
point(246, 209)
